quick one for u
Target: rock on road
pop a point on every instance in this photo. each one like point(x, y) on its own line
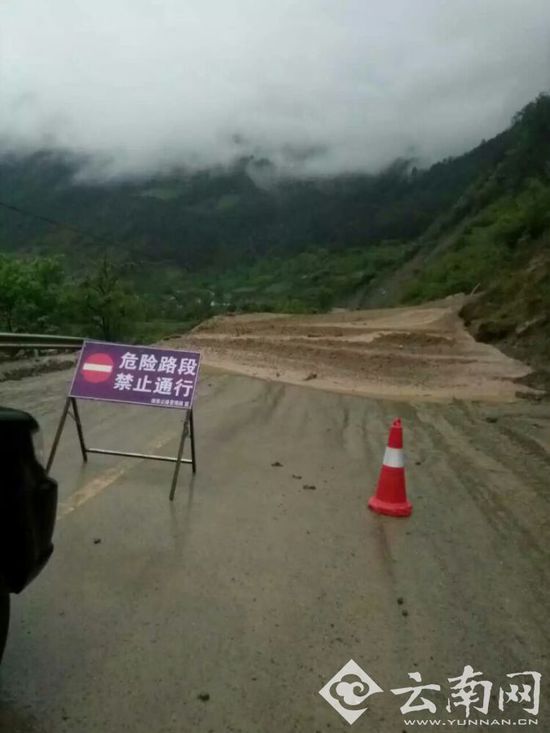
point(229, 609)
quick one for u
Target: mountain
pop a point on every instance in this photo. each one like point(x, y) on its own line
point(224, 215)
point(242, 238)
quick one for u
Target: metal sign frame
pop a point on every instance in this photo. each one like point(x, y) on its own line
point(188, 430)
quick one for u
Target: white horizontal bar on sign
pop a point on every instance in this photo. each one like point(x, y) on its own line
point(97, 367)
point(394, 458)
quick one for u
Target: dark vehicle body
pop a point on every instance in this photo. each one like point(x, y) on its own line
point(28, 505)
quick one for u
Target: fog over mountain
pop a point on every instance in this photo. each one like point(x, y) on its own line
point(318, 87)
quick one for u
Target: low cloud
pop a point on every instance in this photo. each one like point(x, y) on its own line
point(318, 87)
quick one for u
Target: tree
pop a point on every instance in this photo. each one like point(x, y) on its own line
point(31, 293)
point(12, 287)
point(105, 301)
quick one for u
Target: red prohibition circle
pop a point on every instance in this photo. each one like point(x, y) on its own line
point(97, 368)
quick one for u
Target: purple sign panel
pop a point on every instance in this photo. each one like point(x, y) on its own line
point(139, 375)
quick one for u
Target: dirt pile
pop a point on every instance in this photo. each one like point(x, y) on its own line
point(418, 352)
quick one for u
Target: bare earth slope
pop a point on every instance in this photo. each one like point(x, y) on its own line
point(419, 352)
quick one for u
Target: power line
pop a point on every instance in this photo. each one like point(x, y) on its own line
point(55, 222)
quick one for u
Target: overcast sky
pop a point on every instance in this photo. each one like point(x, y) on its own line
point(319, 86)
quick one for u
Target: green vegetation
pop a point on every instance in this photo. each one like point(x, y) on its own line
point(32, 293)
point(499, 241)
point(38, 295)
point(309, 282)
point(115, 301)
point(223, 216)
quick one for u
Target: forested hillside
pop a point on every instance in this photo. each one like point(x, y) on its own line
point(169, 251)
point(228, 214)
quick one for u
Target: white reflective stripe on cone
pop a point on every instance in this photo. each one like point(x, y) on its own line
point(394, 458)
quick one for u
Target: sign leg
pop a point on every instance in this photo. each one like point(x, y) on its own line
point(58, 434)
point(180, 454)
point(79, 431)
point(192, 436)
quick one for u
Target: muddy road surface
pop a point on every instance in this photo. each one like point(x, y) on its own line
point(229, 609)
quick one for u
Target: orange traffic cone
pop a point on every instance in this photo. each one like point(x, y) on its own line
point(391, 493)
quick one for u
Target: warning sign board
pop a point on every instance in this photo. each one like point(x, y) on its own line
point(139, 375)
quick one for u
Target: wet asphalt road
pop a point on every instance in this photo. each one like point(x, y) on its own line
point(230, 608)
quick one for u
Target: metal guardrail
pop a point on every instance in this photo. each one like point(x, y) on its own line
point(39, 341)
